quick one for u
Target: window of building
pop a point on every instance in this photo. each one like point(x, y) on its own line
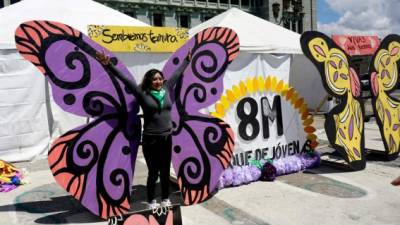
point(207, 17)
point(130, 13)
point(158, 19)
point(184, 21)
point(14, 1)
point(245, 2)
point(286, 4)
point(212, 1)
point(1, 3)
point(235, 2)
point(300, 23)
point(223, 1)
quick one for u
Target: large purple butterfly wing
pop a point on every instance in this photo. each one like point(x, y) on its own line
point(202, 145)
point(94, 162)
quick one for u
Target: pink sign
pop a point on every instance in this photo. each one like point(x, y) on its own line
point(357, 45)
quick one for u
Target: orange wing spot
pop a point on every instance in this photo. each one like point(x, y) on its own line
point(213, 34)
point(55, 156)
point(22, 48)
point(193, 196)
point(170, 218)
point(186, 200)
point(224, 158)
point(64, 138)
point(20, 33)
point(51, 29)
point(198, 196)
point(152, 221)
point(64, 179)
point(34, 35)
point(28, 45)
point(125, 204)
point(210, 35)
point(224, 34)
point(65, 28)
point(220, 33)
point(77, 33)
point(32, 58)
point(137, 219)
point(233, 46)
point(74, 186)
point(233, 36)
point(79, 190)
point(180, 183)
point(205, 191)
point(43, 33)
point(41, 69)
point(104, 213)
point(204, 34)
point(233, 56)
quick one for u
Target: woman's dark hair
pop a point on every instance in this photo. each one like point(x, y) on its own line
point(148, 78)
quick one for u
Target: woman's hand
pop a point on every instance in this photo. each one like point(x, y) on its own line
point(103, 58)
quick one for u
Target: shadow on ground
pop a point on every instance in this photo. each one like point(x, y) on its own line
point(49, 204)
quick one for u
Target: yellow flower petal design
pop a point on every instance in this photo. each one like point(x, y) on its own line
point(268, 84)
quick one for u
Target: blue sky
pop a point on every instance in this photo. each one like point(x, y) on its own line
point(358, 17)
point(324, 13)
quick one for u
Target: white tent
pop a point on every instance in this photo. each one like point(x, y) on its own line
point(28, 118)
point(265, 48)
point(76, 13)
point(255, 34)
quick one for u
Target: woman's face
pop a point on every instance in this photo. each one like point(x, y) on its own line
point(157, 82)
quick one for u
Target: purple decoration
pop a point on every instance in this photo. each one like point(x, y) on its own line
point(268, 172)
point(7, 187)
point(238, 176)
point(15, 181)
point(202, 145)
point(226, 178)
point(94, 162)
point(247, 177)
point(255, 173)
point(295, 163)
point(310, 160)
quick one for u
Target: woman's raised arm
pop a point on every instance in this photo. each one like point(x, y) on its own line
point(130, 84)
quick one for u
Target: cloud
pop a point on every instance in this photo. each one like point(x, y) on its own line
point(372, 17)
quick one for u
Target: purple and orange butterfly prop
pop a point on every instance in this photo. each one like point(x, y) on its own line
point(95, 162)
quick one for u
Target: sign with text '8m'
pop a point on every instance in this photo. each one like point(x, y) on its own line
point(138, 39)
point(269, 118)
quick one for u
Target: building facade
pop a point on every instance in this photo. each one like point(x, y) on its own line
point(297, 15)
point(4, 3)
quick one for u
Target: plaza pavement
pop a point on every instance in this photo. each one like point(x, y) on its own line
point(326, 195)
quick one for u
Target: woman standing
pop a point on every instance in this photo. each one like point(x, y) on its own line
point(153, 95)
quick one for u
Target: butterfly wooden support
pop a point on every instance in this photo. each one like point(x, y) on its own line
point(95, 162)
point(344, 124)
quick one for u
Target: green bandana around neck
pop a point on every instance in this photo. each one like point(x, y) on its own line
point(159, 95)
